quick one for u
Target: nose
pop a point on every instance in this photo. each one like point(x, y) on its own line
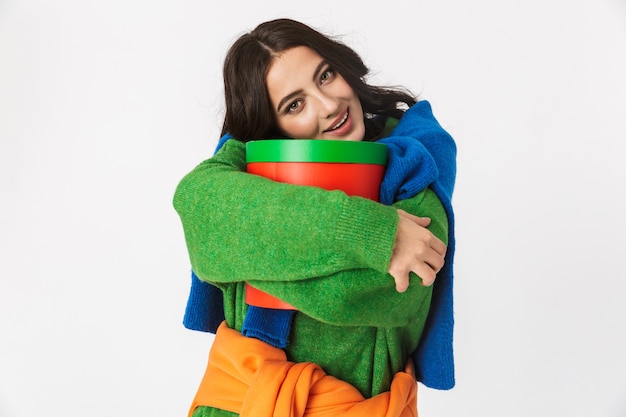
point(328, 105)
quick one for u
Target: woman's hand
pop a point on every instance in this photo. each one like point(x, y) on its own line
point(416, 250)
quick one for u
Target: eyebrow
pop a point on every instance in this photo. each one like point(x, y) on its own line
point(288, 97)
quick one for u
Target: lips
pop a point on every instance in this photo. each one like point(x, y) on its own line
point(338, 122)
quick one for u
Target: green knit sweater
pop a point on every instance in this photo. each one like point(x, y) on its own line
point(322, 251)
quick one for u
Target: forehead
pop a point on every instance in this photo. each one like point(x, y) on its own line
point(292, 69)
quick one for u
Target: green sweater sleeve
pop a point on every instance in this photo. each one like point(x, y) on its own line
point(241, 227)
point(366, 297)
point(322, 251)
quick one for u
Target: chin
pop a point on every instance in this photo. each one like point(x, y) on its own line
point(348, 138)
point(357, 136)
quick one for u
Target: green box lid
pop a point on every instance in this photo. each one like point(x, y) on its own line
point(315, 150)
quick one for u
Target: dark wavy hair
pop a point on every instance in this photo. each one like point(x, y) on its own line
point(249, 113)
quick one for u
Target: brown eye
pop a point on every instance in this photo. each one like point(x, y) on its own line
point(294, 106)
point(327, 75)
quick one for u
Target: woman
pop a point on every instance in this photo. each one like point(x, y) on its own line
point(344, 262)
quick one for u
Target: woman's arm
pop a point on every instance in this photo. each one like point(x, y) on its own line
point(241, 227)
point(324, 252)
point(365, 296)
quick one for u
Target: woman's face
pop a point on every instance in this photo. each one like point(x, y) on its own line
point(311, 100)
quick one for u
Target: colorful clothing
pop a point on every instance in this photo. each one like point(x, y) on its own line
point(329, 257)
point(253, 379)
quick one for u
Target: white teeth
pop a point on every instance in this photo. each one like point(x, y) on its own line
point(338, 125)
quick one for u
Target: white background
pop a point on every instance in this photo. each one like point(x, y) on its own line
point(105, 105)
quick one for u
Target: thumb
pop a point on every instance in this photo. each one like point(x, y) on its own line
point(420, 221)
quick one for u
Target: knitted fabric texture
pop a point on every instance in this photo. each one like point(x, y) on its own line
point(421, 154)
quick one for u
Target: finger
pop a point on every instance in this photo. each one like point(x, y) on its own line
point(400, 277)
point(436, 243)
point(435, 261)
point(421, 221)
point(425, 273)
point(427, 276)
point(438, 246)
point(402, 283)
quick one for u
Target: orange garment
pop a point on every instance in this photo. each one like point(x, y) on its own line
point(251, 378)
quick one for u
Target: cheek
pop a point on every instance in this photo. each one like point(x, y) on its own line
point(300, 127)
point(344, 89)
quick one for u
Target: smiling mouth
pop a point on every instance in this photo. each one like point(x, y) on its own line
point(339, 124)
